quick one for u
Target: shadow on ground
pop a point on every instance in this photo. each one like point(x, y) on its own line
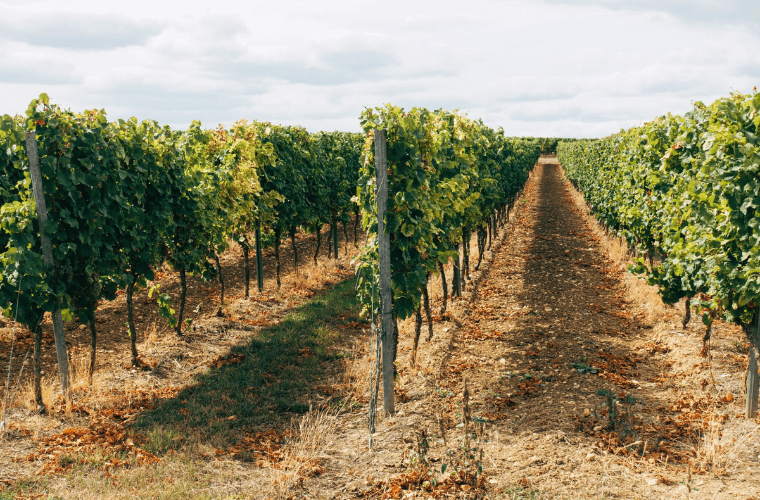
point(262, 383)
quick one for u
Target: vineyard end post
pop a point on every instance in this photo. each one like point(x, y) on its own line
point(47, 256)
point(259, 264)
point(384, 253)
point(753, 380)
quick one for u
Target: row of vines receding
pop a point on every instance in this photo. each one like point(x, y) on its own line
point(125, 197)
point(448, 177)
point(684, 191)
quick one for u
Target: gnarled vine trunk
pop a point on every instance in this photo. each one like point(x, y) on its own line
point(38, 370)
point(444, 286)
point(182, 298)
point(456, 281)
point(345, 236)
point(93, 346)
point(426, 305)
point(247, 267)
point(277, 235)
point(417, 331)
point(131, 321)
point(466, 238)
point(395, 343)
point(295, 249)
point(490, 232)
point(687, 313)
point(220, 277)
point(482, 235)
point(334, 231)
point(319, 244)
point(356, 226)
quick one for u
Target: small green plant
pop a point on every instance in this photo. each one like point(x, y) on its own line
point(582, 366)
point(66, 461)
point(520, 493)
point(689, 485)
point(344, 404)
point(164, 302)
point(619, 411)
point(466, 461)
point(445, 393)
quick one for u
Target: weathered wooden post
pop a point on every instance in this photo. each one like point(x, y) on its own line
point(259, 263)
point(753, 381)
point(47, 256)
point(384, 252)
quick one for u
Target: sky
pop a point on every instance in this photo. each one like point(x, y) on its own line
point(552, 68)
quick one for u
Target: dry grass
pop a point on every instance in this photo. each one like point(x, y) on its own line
point(723, 448)
point(355, 375)
point(304, 456)
point(151, 335)
point(80, 370)
point(50, 391)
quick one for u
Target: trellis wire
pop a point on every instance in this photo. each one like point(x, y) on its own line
point(10, 362)
point(374, 379)
point(18, 379)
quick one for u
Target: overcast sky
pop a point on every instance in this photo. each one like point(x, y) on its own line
point(540, 67)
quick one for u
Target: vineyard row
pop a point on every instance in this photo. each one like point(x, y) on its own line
point(684, 191)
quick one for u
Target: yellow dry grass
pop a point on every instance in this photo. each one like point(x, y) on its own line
point(49, 387)
point(314, 432)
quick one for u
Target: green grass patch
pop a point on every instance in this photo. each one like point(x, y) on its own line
point(281, 366)
point(520, 493)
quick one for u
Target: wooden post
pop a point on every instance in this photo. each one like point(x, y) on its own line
point(384, 251)
point(47, 256)
point(753, 381)
point(334, 230)
point(259, 264)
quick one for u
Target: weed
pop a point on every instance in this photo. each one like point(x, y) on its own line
point(520, 493)
point(461, 464)
point(49, 387)
point(466, 460)
point(619, 411)
point(582, 366)
point(67, 460)
point(445, 393)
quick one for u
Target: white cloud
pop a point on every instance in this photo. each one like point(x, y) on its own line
point(551, 67)
point(78, 31)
